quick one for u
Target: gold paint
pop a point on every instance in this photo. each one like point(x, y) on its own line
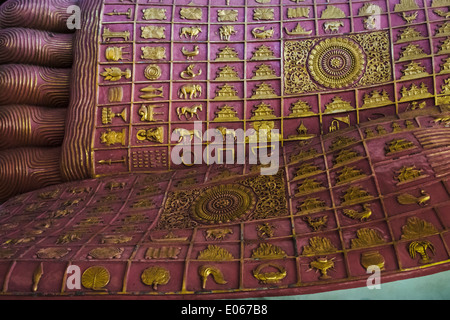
point(152, 92)
point(409, 34)
point(115, 239)
point(115, 12)
point(444, 29)
point(215, 253)
point(372, 258)
point(355, 194)
point(153, 53)
point(410, 52)
point(309, 186)
point(262, 33)
point(421, 247)
point(108, 115)
point(153, 32)
point(191, 13)
point(333, 26)
point(191, 111)
point(218, 234)
point(319, 245)
point(52, 253)
point(323, 265)
point(96, 278)
point(363, 215)
point(227, 54)
point(108, 35)
point(366, 237)
point(316, 224)
point(162, 253)
point(110, 137)
point(191, 54)
point(227, 73)
point(298, 31)
point(264, 91)
point(226, 32)
point(349, 174)
point(306, 170)
point(105, 253)
point(302, 12)
point(416, 228)
point(154, 14)
point(206, 270)
point(148, 114)
point(263, 52)
point(189, 73)
point(311, 205)
point(190, 32)
point(115, 74)
point(415, 92)
point(269, 277)
point(263, 14)
point(338, 105)
point(37, 275)
point(190, 91)
point(227, 15)
point(152, 135)
point(406, 198)
point(410, 18)
point(332, 12)
point(265, 230)
point(226, 92)
point(263, 112)
point(398, 145)
point(302, 133)
point(226, 113)
point(153, 72)
point(407, 174)
point(268, 251)
point(115, 53)
point(376, 99)
point(406, 5)
point(155, 276)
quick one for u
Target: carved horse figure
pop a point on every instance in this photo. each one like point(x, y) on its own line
point(333, 26)
point(188, 134)
point(184, 111)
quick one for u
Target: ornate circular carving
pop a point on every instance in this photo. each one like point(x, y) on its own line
point(223, 203)
point(95, 278)
point(153, 72)
point(336, 62)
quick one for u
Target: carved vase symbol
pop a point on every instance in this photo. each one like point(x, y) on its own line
point(372, 258)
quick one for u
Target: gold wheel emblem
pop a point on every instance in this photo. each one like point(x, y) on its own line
point(336, 62)
point(223, 203)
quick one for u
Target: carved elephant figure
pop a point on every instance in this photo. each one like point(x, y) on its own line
point(190, 91)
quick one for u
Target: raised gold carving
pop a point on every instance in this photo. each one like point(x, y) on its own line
point(444, 29)
point(302, 133)
point(190, 32)
point(333, 26)
point(115, 74)
point(301, 12)
point(191, 54)
point(153, 72)
point(421, 247)
point(37, 275)
point(226, 113)
point(337, 62)
point(226, 92)
point(411, 51)
point(366, 237)
point(263, 52)
point(406, 198)
point(311, 205)
point(398, 145)
point(108, 115)
point(301, 109)
point(323, 265)
point(189, 73)
point(338, 105)
point(376, 99)
point(218, 234)
point(52, 253)
point(445, 46)
point(226, 32)
point(262, 33)
point(414, 70)
point(415, 92)
point(227, 15)
point(153, 53)
point(268, 251)
point(333, 12)
point(263, 14)
point(191, 13)
point(115, 239)
point(151, 92)
point(349, 174)
point(95, 278)
point(162, 253)
point(411, 17)
point(105, 253)
point(153, 32)
point(115, 53)
point(319, 245)
point(269, 277)
point(227, 73)
point(309, 186)
point(262, 112)
point(215, 253)
point(108, 35)
point(189, 112)
point(110, 137)
point(154, 14)
point(372, 258)
point(406, 5)
point(363, 215)
point(265, 230)
point(316, 224)
point(409, 34)
point(355, 194)
point(227, 54)
point(190, 91)
point(155, 276)
point(148, 114)
point(264, 91)
point(407, 174)
point(115, 94)
point(298, 31)
point(115, 12)
point(206, 270)
point(416, 228)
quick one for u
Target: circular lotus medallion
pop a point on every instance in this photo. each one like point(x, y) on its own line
point(336, 62)
point(95, 278)
point(153, 72)
point(223, 203)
